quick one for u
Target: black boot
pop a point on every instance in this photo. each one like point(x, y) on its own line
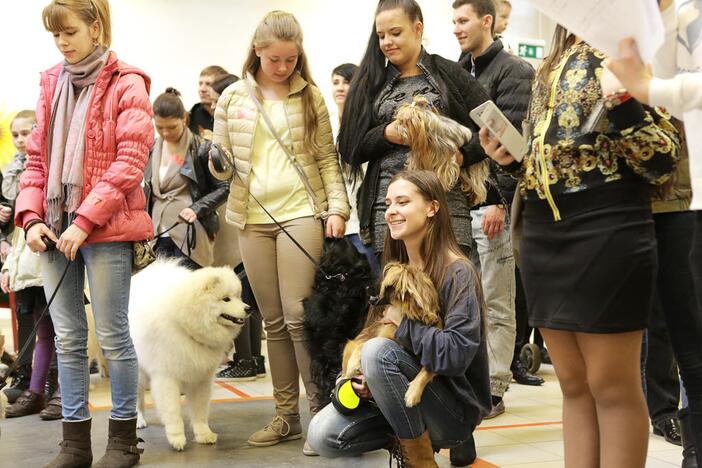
point(689, 452)
point(51, 383)
point(75, 446)
point(522, 376)
point(122, 450)
point(464, 454)
point(20, 382)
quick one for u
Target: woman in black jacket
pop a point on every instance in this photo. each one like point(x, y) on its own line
point(368, 131)
point(179, 187)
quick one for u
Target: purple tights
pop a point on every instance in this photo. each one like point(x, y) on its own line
point(43, 352)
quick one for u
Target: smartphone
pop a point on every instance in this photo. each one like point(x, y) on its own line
point(489, 116)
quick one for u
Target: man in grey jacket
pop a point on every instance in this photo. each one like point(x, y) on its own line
point(507, 79)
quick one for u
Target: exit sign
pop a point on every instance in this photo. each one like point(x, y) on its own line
point(531, 51)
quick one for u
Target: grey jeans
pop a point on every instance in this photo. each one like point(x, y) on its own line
point(388, 368)
point(496, 265)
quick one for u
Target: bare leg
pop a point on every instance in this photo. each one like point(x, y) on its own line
point(614, 377)
point(199, 400)
point(581, 437)
point(166, 395)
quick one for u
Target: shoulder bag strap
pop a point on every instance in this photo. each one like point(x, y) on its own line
point(286, 150)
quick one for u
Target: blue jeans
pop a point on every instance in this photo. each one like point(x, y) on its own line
point(109, 268)
point(388, 368)
point(367, 251)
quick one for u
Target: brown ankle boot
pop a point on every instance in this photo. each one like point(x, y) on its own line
point(27, 403)
point(417, 453)
point(122, 450)
point(75, 446)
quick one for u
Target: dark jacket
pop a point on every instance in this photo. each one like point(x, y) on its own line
point(206, 191)
point(201, 122)
point(507, 80)
point(459, 94)
point(458, 351)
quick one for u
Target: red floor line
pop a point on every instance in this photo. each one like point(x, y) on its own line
point(234, 390)
point(513, 426)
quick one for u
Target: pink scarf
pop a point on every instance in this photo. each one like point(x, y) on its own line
point(67, 135)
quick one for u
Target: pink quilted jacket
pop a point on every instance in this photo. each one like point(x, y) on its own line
point(119, 134)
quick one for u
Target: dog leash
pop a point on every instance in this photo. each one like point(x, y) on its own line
point(340, 276)
point(50, 246)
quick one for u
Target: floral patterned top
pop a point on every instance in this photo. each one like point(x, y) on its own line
point(629, 141)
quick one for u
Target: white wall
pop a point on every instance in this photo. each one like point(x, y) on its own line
point(172, 40)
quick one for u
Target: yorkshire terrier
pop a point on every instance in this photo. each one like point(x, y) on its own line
point(434, 141)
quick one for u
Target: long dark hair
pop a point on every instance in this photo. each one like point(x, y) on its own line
point(368, 81)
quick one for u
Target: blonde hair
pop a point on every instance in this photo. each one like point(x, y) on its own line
point(283, 26)
point(89, 11)
point(25, 114)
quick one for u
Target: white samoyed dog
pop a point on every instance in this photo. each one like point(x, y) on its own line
point(182, 323)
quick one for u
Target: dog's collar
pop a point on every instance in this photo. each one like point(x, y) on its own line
point(340, 276)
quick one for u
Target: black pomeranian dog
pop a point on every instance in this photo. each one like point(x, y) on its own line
point(336, 309)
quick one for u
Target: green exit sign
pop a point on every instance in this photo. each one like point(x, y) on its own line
point(531, 51)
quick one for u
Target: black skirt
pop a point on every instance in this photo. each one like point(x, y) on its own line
point(595, 270)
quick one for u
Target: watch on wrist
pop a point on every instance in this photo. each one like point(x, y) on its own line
point(616, 98)
point(501, 206)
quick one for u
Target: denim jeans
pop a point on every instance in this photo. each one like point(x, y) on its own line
point(109, 268)
point(498, 280)
point(367, 251)
point(388, 368)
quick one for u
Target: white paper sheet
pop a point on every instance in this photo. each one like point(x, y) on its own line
point(603, 23)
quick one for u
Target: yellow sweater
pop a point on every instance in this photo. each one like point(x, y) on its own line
point(273, 179)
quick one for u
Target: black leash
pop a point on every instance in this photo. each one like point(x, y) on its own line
point(50, 246)
point(340, 276)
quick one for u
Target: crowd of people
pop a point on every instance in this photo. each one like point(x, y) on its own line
point(590, 240)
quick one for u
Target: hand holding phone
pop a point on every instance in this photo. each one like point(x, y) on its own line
point(487, 115)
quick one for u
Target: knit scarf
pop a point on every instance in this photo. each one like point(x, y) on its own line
point(67, 135)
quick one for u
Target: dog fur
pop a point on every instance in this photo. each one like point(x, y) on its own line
point(336, 310)
point(434, 141)
point(413, 293)
point(182, 323)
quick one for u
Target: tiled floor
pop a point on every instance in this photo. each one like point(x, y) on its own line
point(529, 434)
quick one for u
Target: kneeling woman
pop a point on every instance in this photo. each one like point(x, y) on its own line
point(458, 398)
point(180, 188)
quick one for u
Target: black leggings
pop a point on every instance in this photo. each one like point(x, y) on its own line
point(25, 325)
point(248, 343)
point(680, 292)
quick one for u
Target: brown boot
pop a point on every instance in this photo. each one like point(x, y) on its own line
point(417, 453)
point(53, 407)
point(75, 446)
point(27, 403)
point(122, 450)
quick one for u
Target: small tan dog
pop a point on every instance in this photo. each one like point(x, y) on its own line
point(413, 293)
point(434, 141)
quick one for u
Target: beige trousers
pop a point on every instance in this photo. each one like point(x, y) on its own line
point(281, 277)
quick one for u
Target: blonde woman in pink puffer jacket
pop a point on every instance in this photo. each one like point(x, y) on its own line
point(81, 189)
